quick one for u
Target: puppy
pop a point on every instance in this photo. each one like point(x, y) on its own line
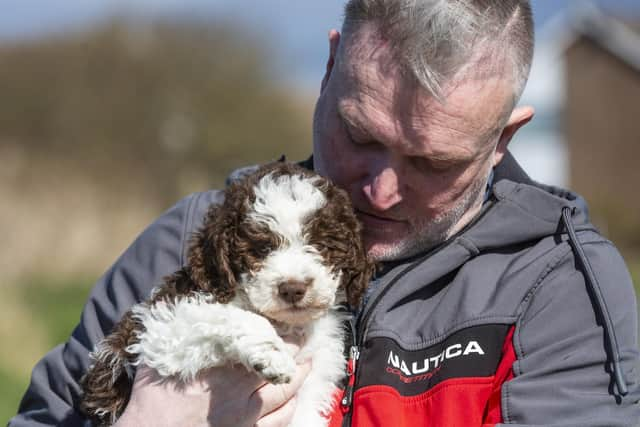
point(275, 257)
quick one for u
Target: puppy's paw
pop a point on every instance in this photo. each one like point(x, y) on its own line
point(274, 365)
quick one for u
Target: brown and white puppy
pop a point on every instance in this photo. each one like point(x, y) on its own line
point(279, 253)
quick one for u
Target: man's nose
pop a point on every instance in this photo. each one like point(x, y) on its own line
point(383, 189)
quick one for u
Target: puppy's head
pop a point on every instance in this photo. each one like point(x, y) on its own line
point(286, 241)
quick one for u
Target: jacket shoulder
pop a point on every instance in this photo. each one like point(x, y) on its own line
point(563, 360)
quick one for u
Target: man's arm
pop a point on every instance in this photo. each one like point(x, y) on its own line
point(561, 377)
point(157, 252)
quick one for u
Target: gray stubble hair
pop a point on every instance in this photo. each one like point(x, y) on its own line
point(435, 39)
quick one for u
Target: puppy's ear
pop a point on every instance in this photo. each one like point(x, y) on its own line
point(209, 259)
point(357, 276)
point(337, 228)
point(227, 283)
point(337, 233)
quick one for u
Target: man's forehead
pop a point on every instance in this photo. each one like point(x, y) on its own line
point(382, 110)
point(411, 135)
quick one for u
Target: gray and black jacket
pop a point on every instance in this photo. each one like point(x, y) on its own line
point(527, 317)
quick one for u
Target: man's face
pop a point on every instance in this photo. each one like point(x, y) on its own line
point(415, 168)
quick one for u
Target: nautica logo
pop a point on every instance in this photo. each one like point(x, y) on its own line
point(424, 366)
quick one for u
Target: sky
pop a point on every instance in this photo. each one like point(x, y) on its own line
point(295, 30)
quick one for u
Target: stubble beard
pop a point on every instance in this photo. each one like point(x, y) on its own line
point(428, 234)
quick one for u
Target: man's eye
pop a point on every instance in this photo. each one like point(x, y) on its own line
point(420, 163)
point(440, 167)
point(425, 165)
point(363, 142)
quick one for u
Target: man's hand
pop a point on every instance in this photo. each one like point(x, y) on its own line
point(221, 397)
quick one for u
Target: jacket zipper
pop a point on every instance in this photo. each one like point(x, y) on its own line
point(362, 322)
point(354, 355)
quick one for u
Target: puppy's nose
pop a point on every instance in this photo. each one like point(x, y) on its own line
point(292, 291)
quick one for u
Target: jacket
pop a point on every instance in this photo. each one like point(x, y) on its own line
point(526, 317)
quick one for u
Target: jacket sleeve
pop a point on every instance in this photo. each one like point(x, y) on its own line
point(157, 252)
point(561, 376)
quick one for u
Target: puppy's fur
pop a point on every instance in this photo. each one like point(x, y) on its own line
point(276, 256)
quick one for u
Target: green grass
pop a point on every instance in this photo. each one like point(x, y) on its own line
point(54, 307)
point(634, 267)
point(10, 394)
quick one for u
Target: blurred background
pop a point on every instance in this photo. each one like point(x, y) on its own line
point(112, 110)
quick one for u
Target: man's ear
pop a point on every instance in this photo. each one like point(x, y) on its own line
point(520, 116)
point(334, 41)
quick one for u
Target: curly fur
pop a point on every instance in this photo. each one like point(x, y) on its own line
point(231, 259)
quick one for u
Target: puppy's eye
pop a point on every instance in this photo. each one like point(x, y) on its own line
point(261, 250)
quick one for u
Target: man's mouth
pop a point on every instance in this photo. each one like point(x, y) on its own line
point(373, 218)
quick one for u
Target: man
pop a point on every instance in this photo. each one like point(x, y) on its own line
point(498, 302)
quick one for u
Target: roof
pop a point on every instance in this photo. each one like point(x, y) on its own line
point(588, 21)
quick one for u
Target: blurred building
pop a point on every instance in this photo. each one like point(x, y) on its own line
point(603, 119)
point(540, 146)
point(585, 87)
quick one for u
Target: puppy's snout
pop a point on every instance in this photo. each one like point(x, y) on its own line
point(293, 291)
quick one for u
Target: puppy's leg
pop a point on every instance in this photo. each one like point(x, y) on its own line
point(107, 384)
point(316, 396)
point(192, 334)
